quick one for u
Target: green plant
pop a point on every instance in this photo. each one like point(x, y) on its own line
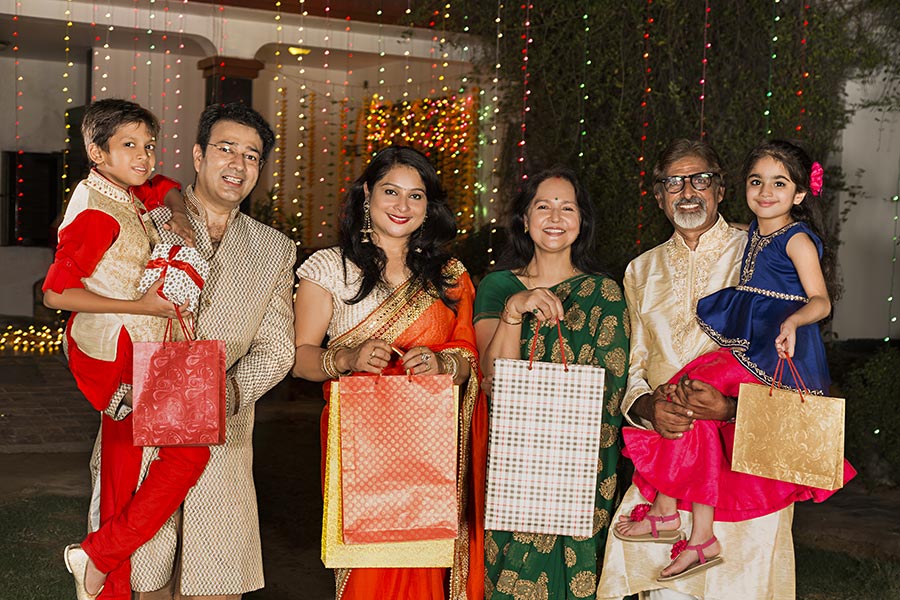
point(873, 423)
point(588, 76)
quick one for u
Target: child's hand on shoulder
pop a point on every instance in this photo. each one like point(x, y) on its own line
point(786, 339)
point(178, 223)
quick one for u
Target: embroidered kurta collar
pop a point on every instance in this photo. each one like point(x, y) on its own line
point(713, 239)
point(97, 181)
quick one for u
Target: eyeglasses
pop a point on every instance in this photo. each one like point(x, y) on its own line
point(251, 158)
point(699, 181)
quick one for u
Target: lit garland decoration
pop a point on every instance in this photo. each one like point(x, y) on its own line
point(526, 38)
point(33, 338)
point(582, 100)
point(178, 105)
point(100, 73)
point(134, 54)
point(894, 242)
point(773, 56)
point(444, 129)
point(804, 74)
point(300, 226)
point(345, 167)
point(645, 122)
point(705, 61)
point(280, 149)
point(310, 167)
point(491, 111)
point(19, 108)
point(68, 99)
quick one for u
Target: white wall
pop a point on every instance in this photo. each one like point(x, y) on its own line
point(870, 143)
point(41, 129)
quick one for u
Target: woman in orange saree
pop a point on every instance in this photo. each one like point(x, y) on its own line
point(389, 288)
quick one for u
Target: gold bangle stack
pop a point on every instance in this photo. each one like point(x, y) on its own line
point(449, 364)
point(328, 365)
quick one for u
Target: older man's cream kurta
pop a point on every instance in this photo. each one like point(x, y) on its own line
point(246, 301)
point(662, 287)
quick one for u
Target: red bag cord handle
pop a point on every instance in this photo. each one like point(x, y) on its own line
point(779, 374)
point(562, 350)
point(169, 334)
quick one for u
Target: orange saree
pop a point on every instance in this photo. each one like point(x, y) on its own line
point(411, 317)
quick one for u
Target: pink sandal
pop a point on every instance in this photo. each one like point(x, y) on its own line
point(702, 564)
point(639, 513)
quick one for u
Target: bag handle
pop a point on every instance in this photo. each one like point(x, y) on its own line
point(779, 374)
point(562, 350)
point(189, 332)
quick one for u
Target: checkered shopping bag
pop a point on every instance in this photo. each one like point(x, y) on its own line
point(545, 422)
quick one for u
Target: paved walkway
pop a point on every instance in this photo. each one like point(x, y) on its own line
point(47, 429)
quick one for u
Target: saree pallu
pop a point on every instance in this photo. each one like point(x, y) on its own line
point(411, 317)
point(595, 332)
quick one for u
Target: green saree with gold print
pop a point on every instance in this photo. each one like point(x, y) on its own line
point(595, 331)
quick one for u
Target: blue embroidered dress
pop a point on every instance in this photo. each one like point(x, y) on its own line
point(747, 318)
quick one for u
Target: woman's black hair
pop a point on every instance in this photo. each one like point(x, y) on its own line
point(519, 248)
point(798, 164)
point(426, 253)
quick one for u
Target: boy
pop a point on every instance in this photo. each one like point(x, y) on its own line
point(105, 242)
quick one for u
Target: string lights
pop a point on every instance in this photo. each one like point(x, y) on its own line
point(705, 61)
point(526, 91)
point(773, 56)
point(33, 338)
point(892, 318)
point(67, 96)
point(19, 108)
point(492, 111)
point(645, 121)
point(804, 74)
point(279, 152)
point(442, 128)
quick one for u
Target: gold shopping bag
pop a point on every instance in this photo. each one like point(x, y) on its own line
point(336, 554)
point(782, 434)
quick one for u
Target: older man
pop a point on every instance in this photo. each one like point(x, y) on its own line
point(246, 301)
point(662, 287)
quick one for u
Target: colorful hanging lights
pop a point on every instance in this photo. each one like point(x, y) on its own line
point(646, 89)
point(704, 62)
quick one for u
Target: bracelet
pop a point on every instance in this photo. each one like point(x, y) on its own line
point(327, 364)
point(451, 369)
point(504, 316)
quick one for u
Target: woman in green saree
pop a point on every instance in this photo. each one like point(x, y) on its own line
point(548, 273)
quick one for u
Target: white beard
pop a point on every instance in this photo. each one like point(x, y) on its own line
point(691, 220)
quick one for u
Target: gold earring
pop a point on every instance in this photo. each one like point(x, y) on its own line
point(526, 226)
point(366, 230)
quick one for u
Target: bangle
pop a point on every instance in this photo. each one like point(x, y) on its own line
point(328, 365)
point(504, 316)
point(449, 364)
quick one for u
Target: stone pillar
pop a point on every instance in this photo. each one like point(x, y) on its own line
point(229, 79)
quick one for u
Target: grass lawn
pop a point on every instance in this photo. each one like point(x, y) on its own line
point(34, 530)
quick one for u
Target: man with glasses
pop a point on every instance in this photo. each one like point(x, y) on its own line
point(211, 547)
point(662, 287)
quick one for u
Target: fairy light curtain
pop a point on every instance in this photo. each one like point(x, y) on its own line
point(444, 129)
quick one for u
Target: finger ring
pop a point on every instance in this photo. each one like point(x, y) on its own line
point(372, 354)
point(426, 357)
point(536, 310)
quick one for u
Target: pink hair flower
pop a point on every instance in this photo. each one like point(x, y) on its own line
point(815, 179)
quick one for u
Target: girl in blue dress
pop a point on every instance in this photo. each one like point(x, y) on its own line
point(786, 282)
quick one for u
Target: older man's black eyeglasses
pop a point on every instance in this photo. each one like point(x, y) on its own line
point(699, 181)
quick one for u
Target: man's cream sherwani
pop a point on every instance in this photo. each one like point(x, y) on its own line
point(662, 287)
point(246, 301)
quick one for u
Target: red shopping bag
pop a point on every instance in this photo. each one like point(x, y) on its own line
point(398, 458)
point(179, 392)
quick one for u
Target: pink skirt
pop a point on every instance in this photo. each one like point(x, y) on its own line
point(697, 467)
